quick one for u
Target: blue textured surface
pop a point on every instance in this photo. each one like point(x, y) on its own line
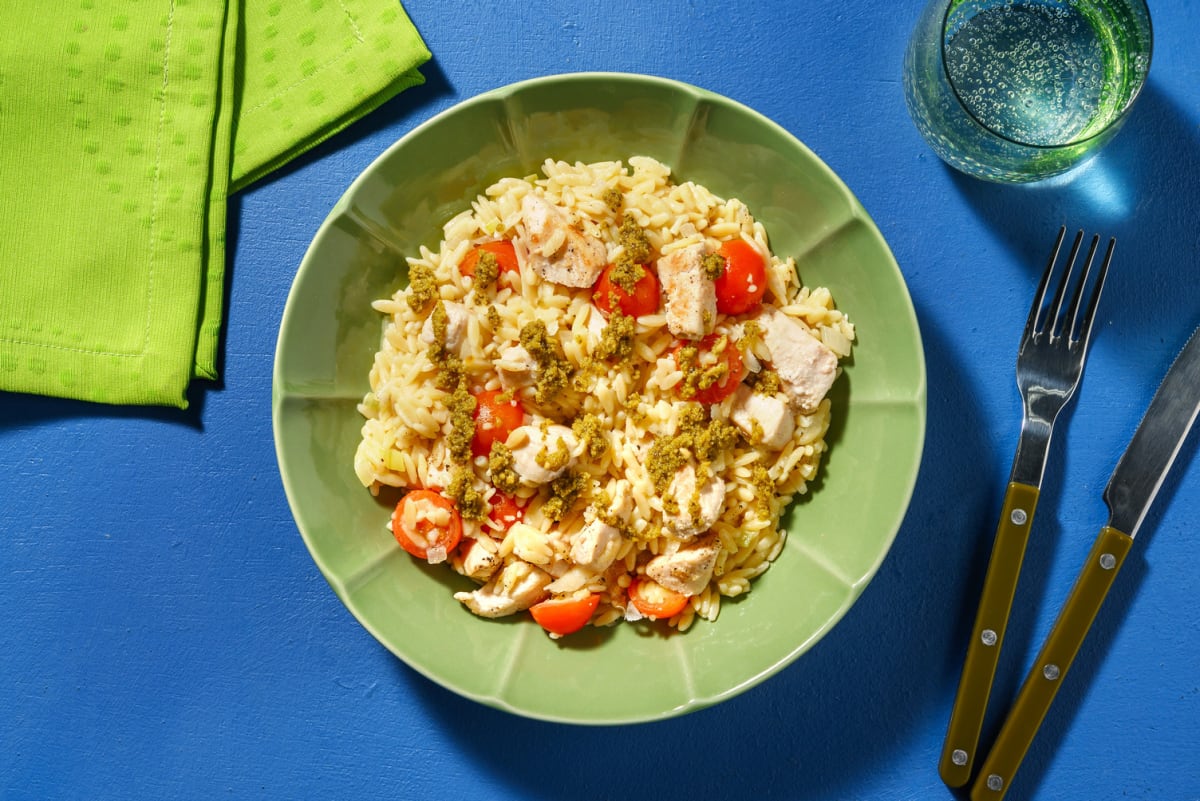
point(167, 635)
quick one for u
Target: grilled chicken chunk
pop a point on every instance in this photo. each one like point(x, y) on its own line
point(689, 296)
point(558, 251)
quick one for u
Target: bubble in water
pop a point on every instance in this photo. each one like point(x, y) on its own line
point(1029, 71)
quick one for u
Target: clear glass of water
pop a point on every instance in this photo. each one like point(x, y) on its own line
point(1020, 90)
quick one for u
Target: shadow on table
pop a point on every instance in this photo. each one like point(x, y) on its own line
point(1132, 190)
point(839, 711)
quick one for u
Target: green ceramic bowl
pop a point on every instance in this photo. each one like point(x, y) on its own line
point(838, 535)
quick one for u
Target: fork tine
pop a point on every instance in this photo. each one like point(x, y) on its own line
point(1053, 328)
point(1035, 309)
point(1085, 328)
point(1073, 312)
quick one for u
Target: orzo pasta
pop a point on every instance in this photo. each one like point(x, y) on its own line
point(600, 392)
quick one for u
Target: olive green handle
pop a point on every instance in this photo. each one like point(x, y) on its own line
point(1053, 662)
point(987, 636)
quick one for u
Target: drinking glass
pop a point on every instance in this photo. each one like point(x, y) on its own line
point(1020, 90)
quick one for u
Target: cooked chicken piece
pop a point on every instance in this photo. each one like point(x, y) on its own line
point(770, 414)
point(544, 455)
point(709, 498)
point(805, 366)
point(516, 367)
point(596, 545)
point(558, 251)
point(621, 505)
point(518, 586)
point(456, 326)
point(480, 562)
point(687, 570)
point(689, 296)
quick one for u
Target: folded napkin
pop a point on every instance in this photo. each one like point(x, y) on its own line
point(124, 124)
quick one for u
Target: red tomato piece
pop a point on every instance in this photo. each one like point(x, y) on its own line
point(502, 249)
point(654, 600)
point(495, 419)
point(504, 512)
point(732, 357)
point(643, 299)
point(424, 521)
point(565, 615)
point(741, 285)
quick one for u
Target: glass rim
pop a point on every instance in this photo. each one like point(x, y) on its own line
point(1133, 96)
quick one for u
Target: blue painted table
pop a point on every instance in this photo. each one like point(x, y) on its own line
point(166, 634)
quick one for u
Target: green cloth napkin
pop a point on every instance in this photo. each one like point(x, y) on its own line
point(124, 124)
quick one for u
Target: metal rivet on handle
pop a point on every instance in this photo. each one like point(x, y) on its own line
point(1108, 561)
point(1050, 672)
point(1019, 517)
point(995, 783)
point(988, 637)
point(959, 757)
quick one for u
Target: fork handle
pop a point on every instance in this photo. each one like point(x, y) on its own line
point(1053, 662)
point(987, 636)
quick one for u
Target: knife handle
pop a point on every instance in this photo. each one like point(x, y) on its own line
point(987, 635)
point(1053, 662)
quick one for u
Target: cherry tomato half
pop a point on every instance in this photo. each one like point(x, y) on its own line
point(565, 615)
point(654, 600)
point(504, 512)
point(643, 299)
point(502, 249)
point(424, 520)
point(741, 285)
point(727, 384)
point(495, 419)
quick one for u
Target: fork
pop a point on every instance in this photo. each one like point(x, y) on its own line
point(1049, 365)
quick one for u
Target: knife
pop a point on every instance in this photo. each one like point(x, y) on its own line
point(1135, 481)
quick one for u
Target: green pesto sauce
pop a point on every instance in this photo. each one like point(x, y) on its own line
point(422, 287)
point(590, 431)
point(756, 432)
point(613, 198)
point(652, 532)
point(616, 340)
point(694, 502)
point(564, 491)
point(467, 498)
point(633, 240)
point(462, 423)
point(764, 491)
point(751, 333)
point(487, 269)
point(767, 382)
point(451, 371)
point(555, 459)
point(625, 273)
point(500, 466)
point(697, 377)
point(602, 510)
point(627, 270)
point(704, 439)
point(554, 372)
point(440, 321)
point(633, 410)
point(713, 265)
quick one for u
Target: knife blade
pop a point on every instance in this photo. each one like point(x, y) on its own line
point(1156, 443)
point(1138, 476)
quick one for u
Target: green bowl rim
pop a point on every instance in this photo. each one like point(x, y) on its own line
point(857, 212)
